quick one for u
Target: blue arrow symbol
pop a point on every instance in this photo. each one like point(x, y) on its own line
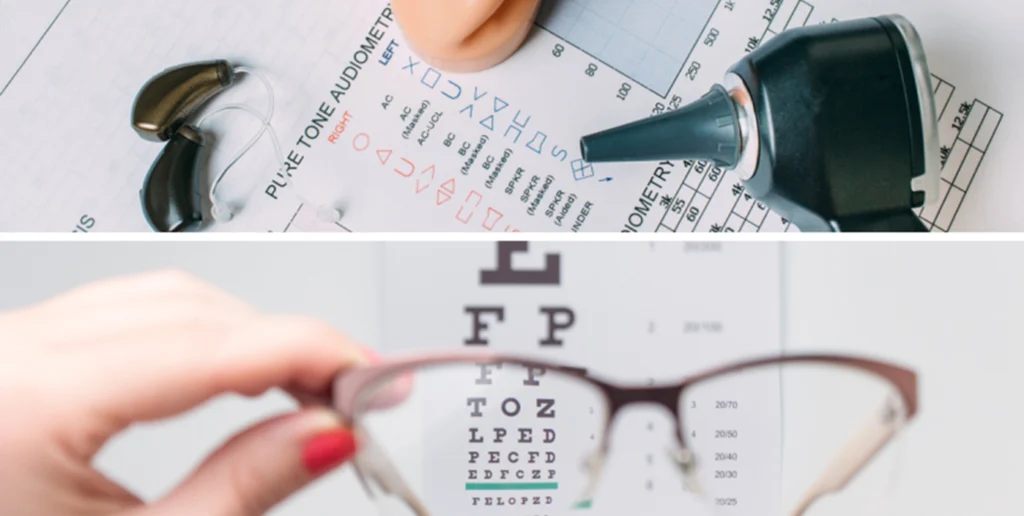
point(606, 180)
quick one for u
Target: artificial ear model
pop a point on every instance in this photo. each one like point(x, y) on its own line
point(172, 192)
point(462, 36)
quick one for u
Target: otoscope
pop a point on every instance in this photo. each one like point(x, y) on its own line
point(832, 126)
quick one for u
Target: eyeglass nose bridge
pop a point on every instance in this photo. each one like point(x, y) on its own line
point(666, 397)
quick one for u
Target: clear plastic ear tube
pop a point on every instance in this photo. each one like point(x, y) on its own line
point(221, 211)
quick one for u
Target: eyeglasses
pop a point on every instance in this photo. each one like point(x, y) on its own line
point(486, 433)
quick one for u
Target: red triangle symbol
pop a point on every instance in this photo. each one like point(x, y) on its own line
point(449, 186)
point(443, 197)
point(383, 156)
point(444, 194)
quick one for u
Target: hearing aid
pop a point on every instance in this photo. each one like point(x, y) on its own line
point(172, 193)
point(169, 99)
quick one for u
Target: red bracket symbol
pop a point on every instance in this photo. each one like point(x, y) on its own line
point(469, 203)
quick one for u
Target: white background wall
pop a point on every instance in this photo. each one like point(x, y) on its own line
point(951, 310)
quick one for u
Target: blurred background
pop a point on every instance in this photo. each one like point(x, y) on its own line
point(951, 311)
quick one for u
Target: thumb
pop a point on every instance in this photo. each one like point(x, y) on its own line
point(263, 466)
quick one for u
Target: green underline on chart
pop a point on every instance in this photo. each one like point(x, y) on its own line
point(513, 486)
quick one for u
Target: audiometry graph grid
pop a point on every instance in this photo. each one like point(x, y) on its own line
point(648, 40)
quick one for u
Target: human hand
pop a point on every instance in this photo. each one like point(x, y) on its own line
point(78, 369)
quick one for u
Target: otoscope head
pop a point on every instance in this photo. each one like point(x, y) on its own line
point(706, 130)
point(832, 126)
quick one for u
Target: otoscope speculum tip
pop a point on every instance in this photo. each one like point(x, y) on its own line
point(707, 129)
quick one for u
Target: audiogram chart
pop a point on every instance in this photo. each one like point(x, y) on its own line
point(648, 41)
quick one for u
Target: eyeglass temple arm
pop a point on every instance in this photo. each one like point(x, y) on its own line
point(861, 448)
point(373, 461)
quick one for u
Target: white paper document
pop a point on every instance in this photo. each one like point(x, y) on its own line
point(637, 314)
point(369, 128)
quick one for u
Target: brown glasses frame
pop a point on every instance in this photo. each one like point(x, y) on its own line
point(351, 384)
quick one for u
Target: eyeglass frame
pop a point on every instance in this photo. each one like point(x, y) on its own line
point(867, 444)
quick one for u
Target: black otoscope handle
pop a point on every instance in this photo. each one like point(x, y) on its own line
point(841, 132)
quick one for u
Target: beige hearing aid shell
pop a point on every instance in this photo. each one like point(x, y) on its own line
point(462, 36)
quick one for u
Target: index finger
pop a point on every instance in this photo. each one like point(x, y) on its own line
point(171, 373)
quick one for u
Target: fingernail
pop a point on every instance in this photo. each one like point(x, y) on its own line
point(328, 450)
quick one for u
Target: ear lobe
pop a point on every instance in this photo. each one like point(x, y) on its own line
point(465, 35)
point(463, 18)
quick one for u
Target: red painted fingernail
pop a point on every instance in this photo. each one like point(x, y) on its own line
point(328, 451)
